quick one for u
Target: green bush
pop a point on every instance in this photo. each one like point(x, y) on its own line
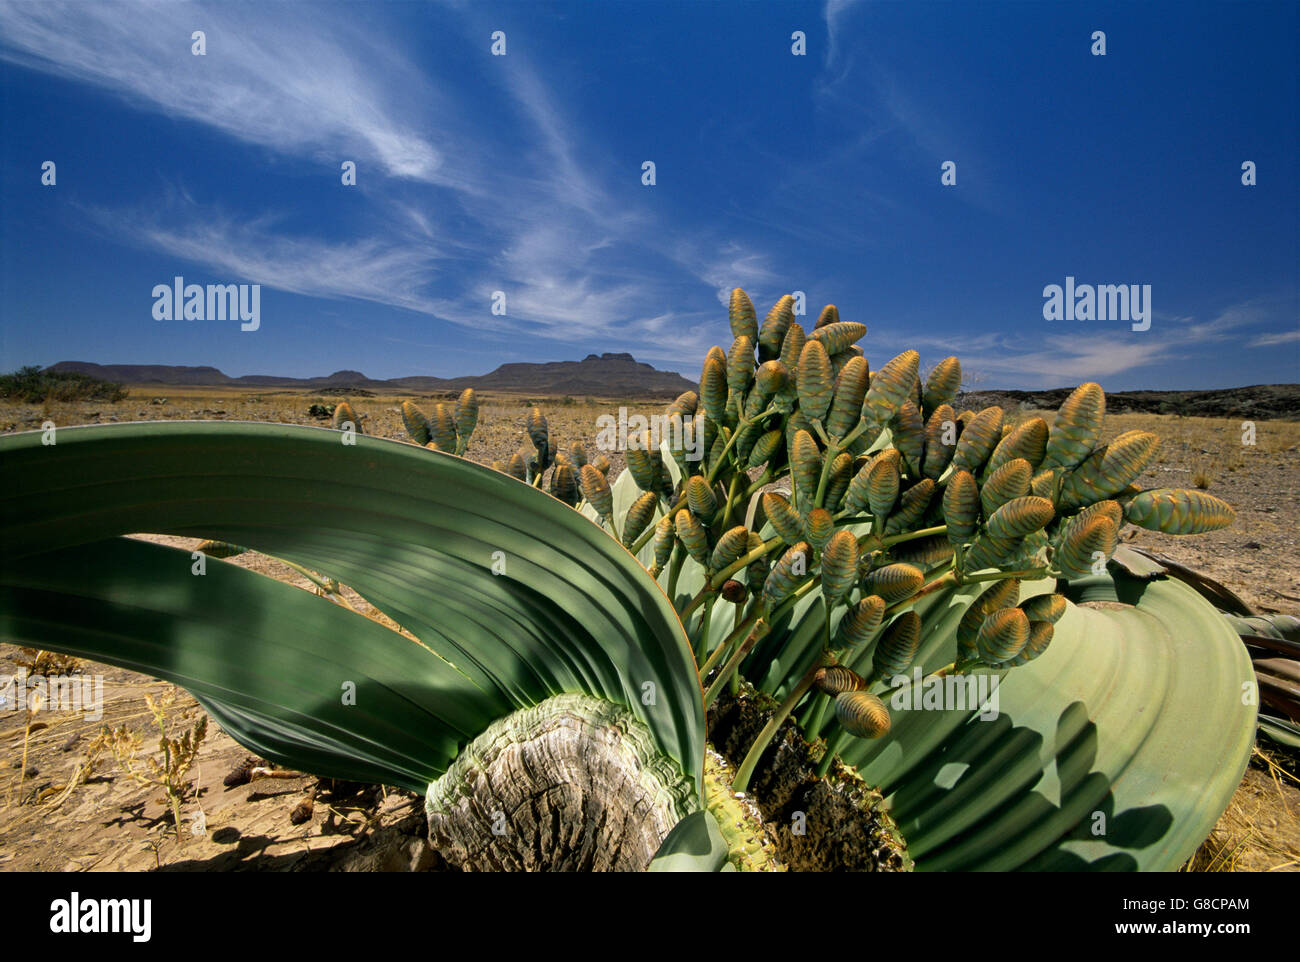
point(34, 386)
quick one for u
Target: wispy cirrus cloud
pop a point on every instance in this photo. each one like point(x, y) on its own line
point(535, 223)
point(278, 82)
point(1273, 340)
point(994, 359)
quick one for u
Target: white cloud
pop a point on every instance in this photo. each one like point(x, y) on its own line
point(1272, 340)
point(279, 82)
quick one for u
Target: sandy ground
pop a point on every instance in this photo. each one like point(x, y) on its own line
point(62, 813)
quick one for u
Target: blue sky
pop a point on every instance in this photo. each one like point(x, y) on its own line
point(522, 173)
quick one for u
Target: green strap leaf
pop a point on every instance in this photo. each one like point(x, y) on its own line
point(519, 594)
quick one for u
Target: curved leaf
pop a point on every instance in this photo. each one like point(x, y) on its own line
point(420, 534)
point(1118, 748)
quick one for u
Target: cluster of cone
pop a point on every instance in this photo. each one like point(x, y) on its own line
point(890, 488)
point(448, 429)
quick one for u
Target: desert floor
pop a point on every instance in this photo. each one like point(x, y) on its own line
point(68, 804)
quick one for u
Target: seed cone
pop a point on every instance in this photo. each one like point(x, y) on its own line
point(1049, 608)
point(344, 415)
point(1002, 635)
point(909, 437)
point(638, 516)
point(893, 582)
point(837, 481)
point(989, 552)
point(740, 365)
point(1019, 516)
point(417, 425)
point(911, 506)
point(665, 537)
point(1008, 482)
point(838, 335)
point(1029, 441)
point(466, 416)
point(783, 518)
point(862, 714)
point(701, 499)
point(978, 439)
point(731, 547)
point(892, 385)
point(767, 445)
point(818, 526)
point(772, 376)
point(693, 536)
point(806, 469)
point(898, 646)
point(792, 348)
point(713, 388)
point(942, 385)
point(596, 490)
point(1108, 509)
point(850, 389)
point(1000, 594)
point(1043, 484)
point(1085, 541)
point(1077, 427)
point(834, 679)
point(602, 465)
point(942, 424)
point(860, 623)
point(830, 315)
point(564, 484)
point(1040, 636)
point(787, 574)
point(1178, 511)
point(740, 314)
point(684, 405)
point(961, 506)
point(839, 565)
point(814, 381)
point(777, 322)
point(1109, 469)
point(924, 552)
point(641, 465)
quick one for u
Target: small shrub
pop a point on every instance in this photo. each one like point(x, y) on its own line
point(34, 386)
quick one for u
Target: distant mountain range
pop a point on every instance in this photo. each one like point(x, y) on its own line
point(622, 376)
point(604, 375)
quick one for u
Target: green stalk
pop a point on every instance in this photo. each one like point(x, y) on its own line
point(732, 666)
point(744, 562)
point(731, 498)
point(702, 635)
point(913, 535)
point(818, 722)
point(833, 747)
point(675, 569)
point(695, 602)
point(738, 632)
